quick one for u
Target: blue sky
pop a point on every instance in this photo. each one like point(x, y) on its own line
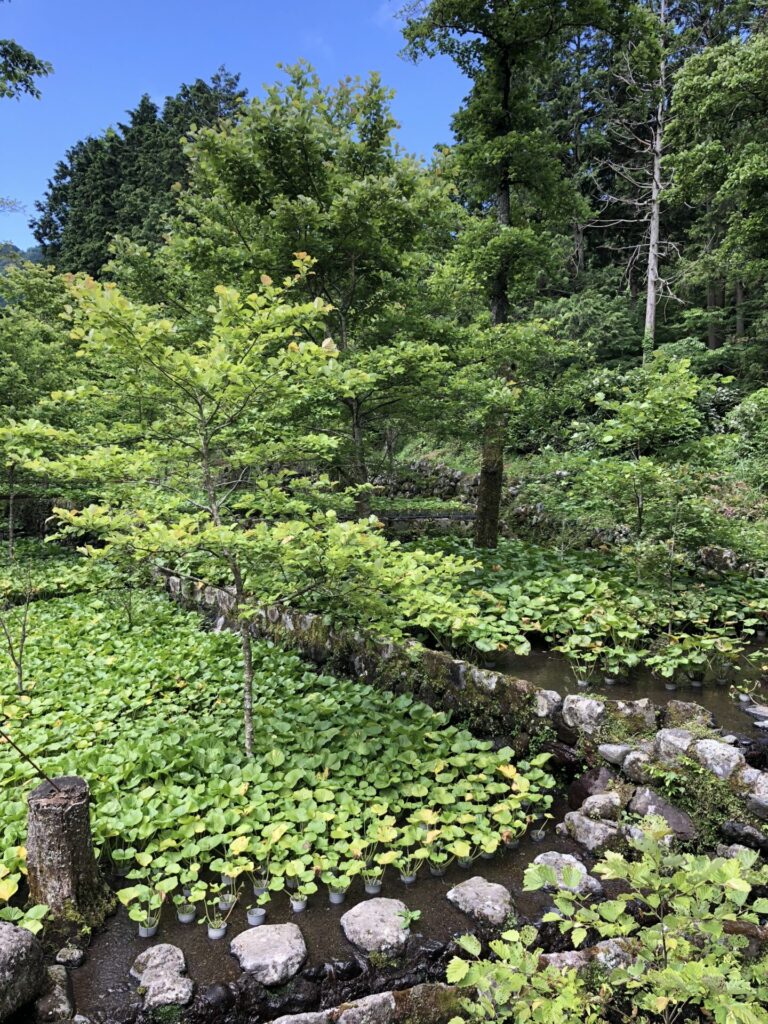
point(106, 53)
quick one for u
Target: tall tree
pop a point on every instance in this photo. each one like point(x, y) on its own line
point(507, 157)
point(125, 181)
point(313, 169)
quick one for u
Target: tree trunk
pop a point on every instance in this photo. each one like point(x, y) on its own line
point(359, 466)
point(245, 641)
point(654, 227)
point(491, 482)
point(11, 512)
point(63, 872)
point(739, 302)
point(489, 488)
point(714, 303)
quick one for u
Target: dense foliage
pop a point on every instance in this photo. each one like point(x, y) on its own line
point(678, 930)
point(345, 780)
point(261, 337)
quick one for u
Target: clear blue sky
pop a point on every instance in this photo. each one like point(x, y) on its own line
point(106, 53)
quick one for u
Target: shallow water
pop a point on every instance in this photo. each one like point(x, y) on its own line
point(551, 671)
point(103, 989)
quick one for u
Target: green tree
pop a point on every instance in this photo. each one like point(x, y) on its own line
point(313, 169)
point(125, 181)
point(507, 161)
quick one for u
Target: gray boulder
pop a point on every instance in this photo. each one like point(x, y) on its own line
point(682, 714)
point(756, 710)
point(596, 780)
point(594, 835)
point(545, 702)
point(487, 902)
point(646, 801)
point(55, 1004)
point(376, 926)
point(272, 953)
point(605, 806)
point(635, 766)
point(586, 885)
point(70, 956)
point(757, 801)
point(21, 968)
point(670, 744)
point(719, 758)
point(161, 973)
point(614, 753)
point(641, 713)
point(584, 714)
point(379, 1008)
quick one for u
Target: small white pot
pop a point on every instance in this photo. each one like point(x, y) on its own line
point(226, 905)
point(256, 916)
point(337, 897)
point(186, 916)
point(408, 879)
point(436, 870)
point(217, 933)
point(297, 905)
point(148, 931)
point(373, 888)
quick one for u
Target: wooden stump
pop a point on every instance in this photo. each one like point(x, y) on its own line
point(63, 872)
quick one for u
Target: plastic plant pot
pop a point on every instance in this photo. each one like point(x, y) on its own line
point(298, 905)
point(583, 683)
point(436, 870)
point(670, 686)
point(538, 835)
point(408, 879)
point(256, 916)
point(487, 856)
point(186, 914)
point(336, 897)
point(226, 904)
point(259, 890)
point(148, 931)
point(465, 862)
point(215, 932)
point(511, 844)
point(373, 888)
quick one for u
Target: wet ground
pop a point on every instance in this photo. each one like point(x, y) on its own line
point(103, 987)
point(551, 671)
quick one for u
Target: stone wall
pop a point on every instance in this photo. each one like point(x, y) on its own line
point(490, 703)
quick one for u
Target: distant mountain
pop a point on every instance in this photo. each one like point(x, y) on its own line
point(10, 253)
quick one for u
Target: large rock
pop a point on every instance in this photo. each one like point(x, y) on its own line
point(602, 806)
point(746, 835)
point(545, 703)
point(594, 835)
point(22, 973)
point(683, 714)
point(596, 780)
point(614, 753)
point(646, 801)
point(757, 801)
point(161, 973)
point(586, 884)
point(720, 758)
point(377, 926)
point(584, 714)
point(272, 953)
point(487, 902)
point(639, 713)
point(379, 1008)
point(671, 744)
point(636, 765)
point(55, 1004)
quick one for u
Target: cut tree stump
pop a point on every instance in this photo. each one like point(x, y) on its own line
point(63, 872)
